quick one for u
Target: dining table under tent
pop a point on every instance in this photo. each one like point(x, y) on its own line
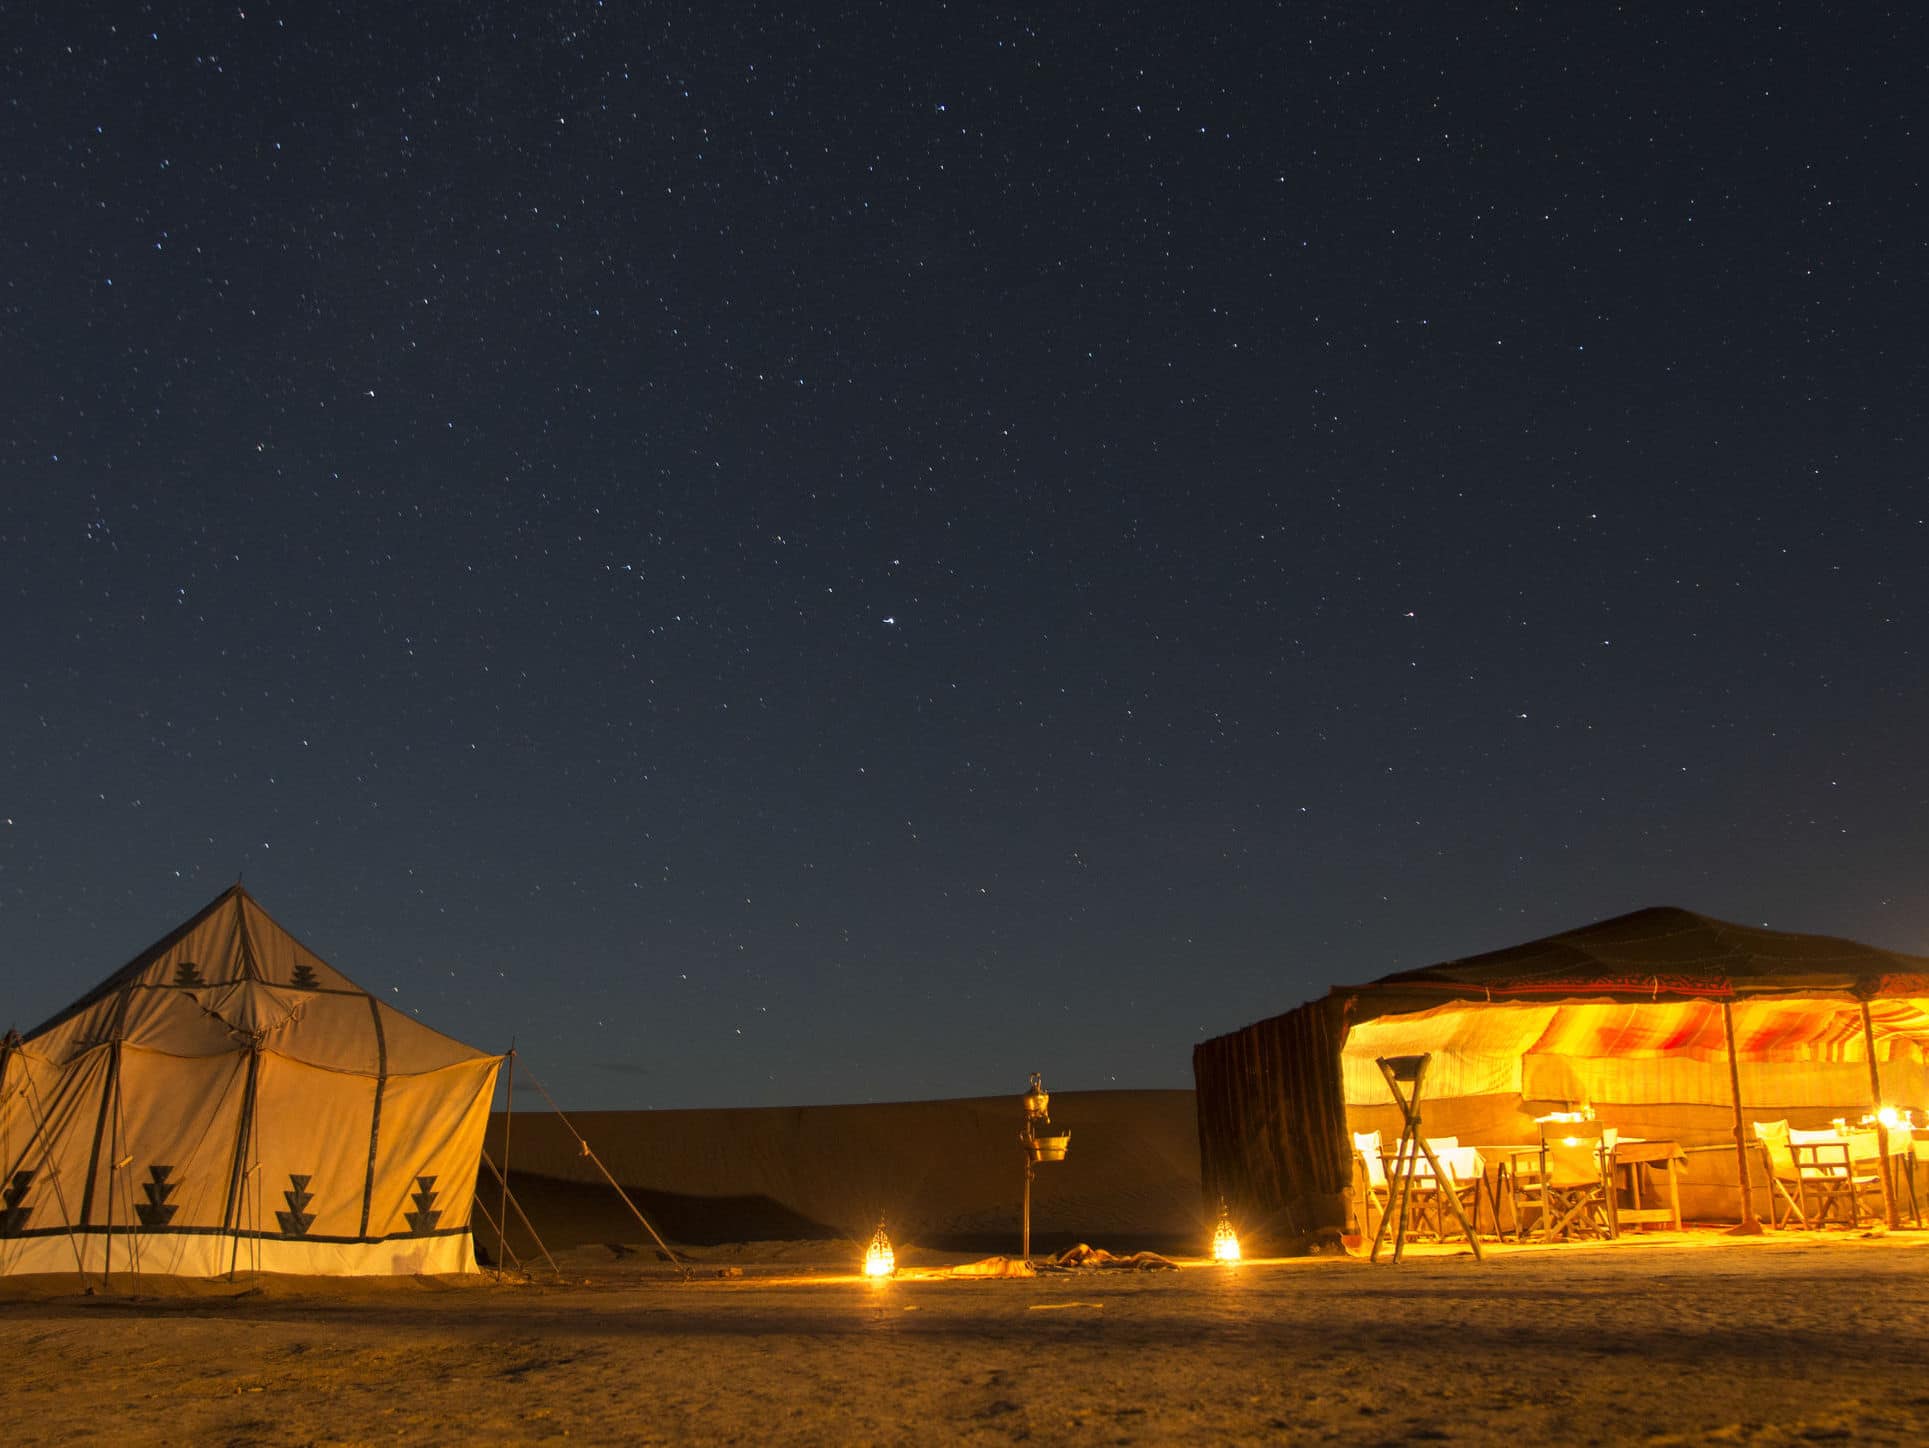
point(1666, 1024)
point(228, 1101)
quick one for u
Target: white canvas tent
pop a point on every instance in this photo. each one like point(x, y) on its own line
point(227, 1100)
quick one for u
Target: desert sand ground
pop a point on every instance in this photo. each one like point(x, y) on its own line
point(1789, 1338)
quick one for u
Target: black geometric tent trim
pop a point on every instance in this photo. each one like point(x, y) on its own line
point(101, 1229)
point(13, 1216)
point(296, 1221)
point(422, 1220)
point(157, 1210)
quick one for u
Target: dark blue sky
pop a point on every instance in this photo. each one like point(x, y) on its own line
point(781, 555)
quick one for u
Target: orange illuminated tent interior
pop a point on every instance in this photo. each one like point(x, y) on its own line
point(1628, 1019)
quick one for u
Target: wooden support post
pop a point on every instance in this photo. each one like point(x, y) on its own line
point(1889, 1210)
point(1750, 1224)
point(1024, 1248)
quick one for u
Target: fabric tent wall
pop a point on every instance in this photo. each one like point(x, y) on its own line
point(1272, 1128)
point(229, 1101)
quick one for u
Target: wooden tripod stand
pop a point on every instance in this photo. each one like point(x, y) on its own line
point(1410, 1071)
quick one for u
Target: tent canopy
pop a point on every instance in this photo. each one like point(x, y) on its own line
point(1661, 953)
point(229, 1099)
point(1630, 1011)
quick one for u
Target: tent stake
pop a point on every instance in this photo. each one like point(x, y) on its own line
point(615, 1185)
point(1889, 1212)
point(1750, 1224)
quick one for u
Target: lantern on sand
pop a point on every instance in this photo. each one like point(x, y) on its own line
point(879, 1260)
point(1225, 1241)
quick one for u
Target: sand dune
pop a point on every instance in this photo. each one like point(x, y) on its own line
point(946, 1175)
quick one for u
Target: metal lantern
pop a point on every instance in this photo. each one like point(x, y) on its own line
point(1038, 1100)
point(879, 1260)
point(1225, 1241)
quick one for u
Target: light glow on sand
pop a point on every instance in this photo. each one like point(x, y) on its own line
point(879, 1259)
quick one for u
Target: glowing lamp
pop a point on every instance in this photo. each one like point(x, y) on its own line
point(1225, 1241)
point(1889, 1117)
point(879, 1260)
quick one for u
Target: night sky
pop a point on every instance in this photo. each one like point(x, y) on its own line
point(822, 553)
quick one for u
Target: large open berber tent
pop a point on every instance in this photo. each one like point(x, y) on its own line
point(228, 1101)
point(1665, 1023)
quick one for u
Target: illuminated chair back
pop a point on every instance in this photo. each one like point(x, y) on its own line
point(1372, 1157)
point(1574, 1196)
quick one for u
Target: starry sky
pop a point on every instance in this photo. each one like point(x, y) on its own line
point(782, 554)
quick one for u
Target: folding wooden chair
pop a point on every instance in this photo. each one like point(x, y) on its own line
point(1784, 1176)
point(1837, 1173)
point(1572, 1193)
point(1369, 1176)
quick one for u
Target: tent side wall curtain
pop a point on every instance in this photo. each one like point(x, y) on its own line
point(431, 1150)
point(311, 1148)
point(180, 1125)
point(1272, 1126)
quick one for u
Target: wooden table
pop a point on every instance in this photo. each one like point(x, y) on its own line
point(1640, 1158)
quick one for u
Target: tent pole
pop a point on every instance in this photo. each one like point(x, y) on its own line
point(1750, 1224)
point(1889, 1211)
point(53, 1171)
point(113, 1159)
point(614, 1184)
point(238, 1183)
point(489, 1217)
point(118, 1173)
point(508, 1120)
point(523, 1217)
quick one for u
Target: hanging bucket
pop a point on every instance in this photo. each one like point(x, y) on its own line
point(1050, 1148)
